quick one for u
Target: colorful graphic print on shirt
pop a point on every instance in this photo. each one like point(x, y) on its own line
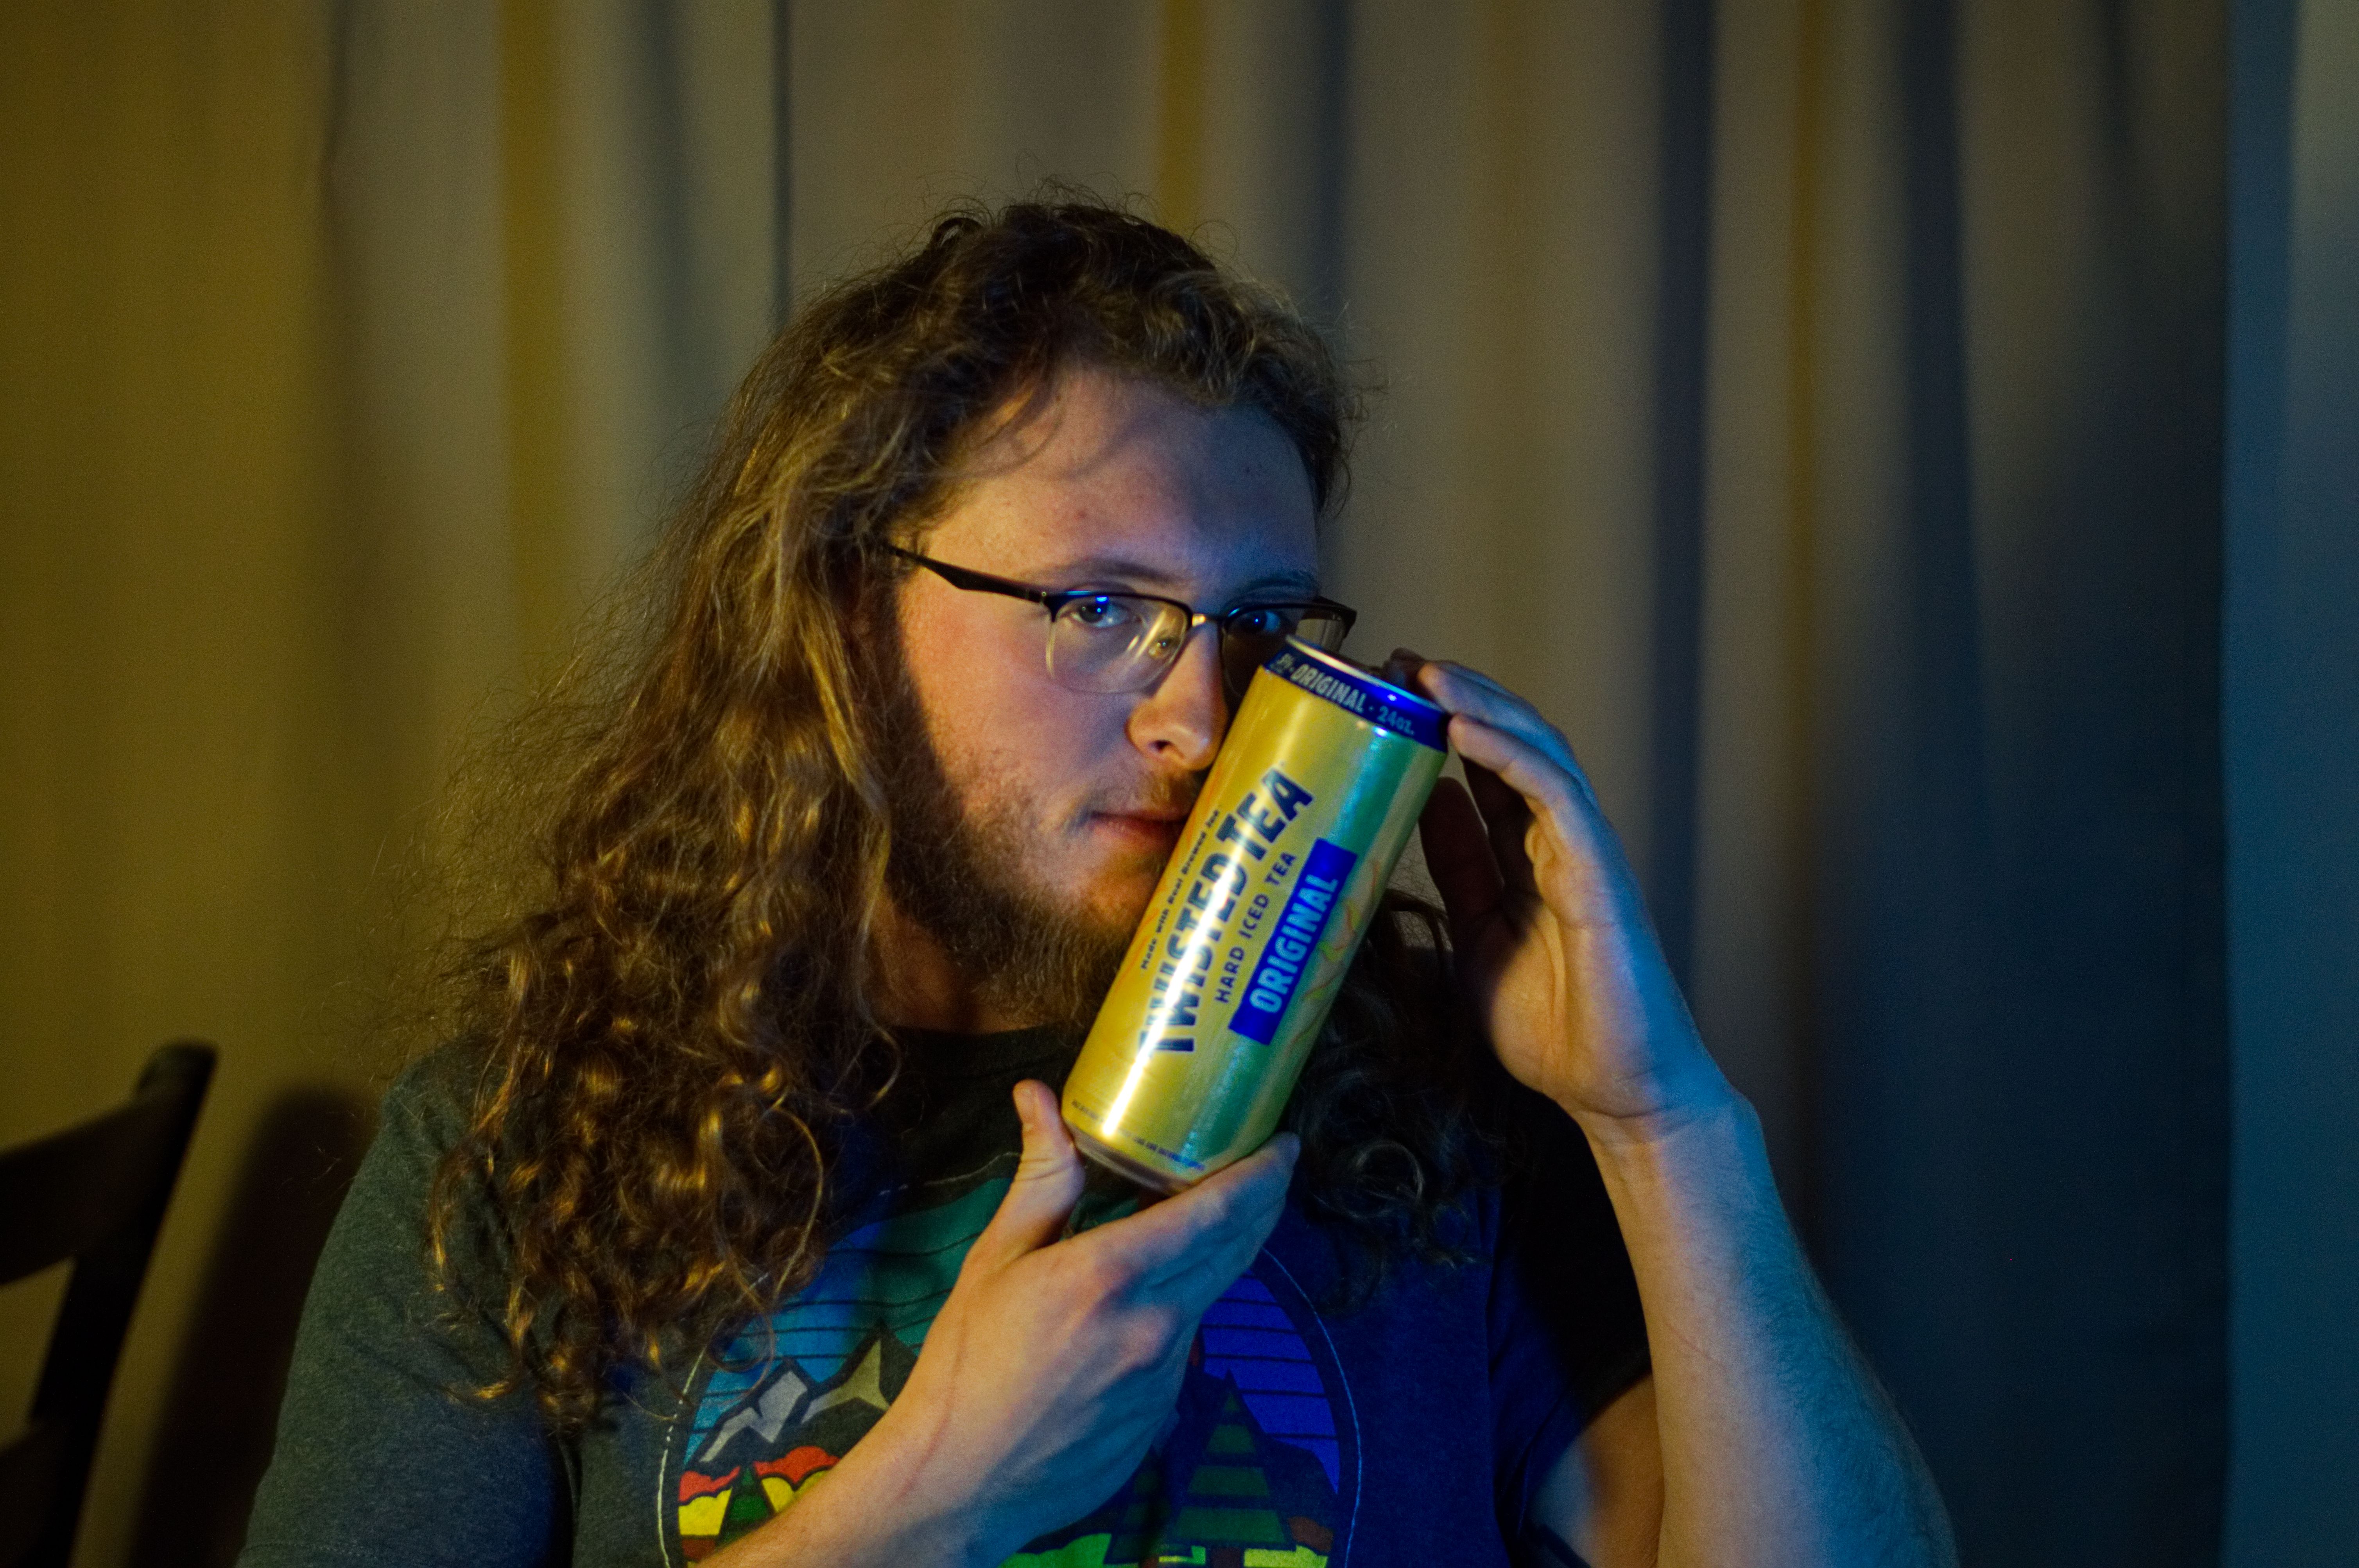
point(1258, 1467)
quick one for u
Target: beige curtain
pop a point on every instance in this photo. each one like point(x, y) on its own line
point(348, 350)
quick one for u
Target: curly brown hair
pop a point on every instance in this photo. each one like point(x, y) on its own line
point(672, 1043)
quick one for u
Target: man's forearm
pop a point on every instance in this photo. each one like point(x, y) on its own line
point(863, 1517)
point(1778, 1446)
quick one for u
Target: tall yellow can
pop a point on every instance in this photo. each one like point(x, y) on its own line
point(1275, 877)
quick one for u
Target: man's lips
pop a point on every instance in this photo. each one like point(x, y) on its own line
point(1156, 827)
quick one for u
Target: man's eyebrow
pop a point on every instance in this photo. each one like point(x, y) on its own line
point(1298, 582)
point(1122, 568)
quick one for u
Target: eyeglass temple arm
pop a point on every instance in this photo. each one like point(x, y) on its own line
point(984, 582)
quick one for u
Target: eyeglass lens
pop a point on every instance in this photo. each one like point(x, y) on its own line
point(1115, 642)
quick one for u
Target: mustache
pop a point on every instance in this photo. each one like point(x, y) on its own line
point(1163, 796)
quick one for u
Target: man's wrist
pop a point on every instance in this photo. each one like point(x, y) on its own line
point(896, 1482)
point(874, 1510)
point(1712, 1110)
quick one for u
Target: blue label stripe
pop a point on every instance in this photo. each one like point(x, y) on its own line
point(1318, 889)
point(1362, 694)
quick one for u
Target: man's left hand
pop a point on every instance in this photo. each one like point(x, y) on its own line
point(1553, 942)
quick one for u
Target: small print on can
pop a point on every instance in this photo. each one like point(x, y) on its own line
point(1275, 880)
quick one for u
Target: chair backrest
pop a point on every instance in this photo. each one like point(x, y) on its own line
point(94, 1195)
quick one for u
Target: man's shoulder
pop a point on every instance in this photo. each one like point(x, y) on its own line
point(434, 1094)
point(422, 1114)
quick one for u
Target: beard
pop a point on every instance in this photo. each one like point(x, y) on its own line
point(957, 868)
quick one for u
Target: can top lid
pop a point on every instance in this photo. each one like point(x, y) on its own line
point(1362, 695)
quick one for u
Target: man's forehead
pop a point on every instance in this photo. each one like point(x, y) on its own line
point(1119, 567)
point(1118, 479)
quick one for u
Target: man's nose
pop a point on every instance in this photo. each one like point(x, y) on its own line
point(1183, 716)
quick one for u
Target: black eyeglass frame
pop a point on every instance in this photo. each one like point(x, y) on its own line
point(1054, 599)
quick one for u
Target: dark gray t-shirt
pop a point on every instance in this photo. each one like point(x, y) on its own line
point(1410, 1429)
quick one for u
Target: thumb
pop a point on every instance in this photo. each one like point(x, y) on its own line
point(1048, 1184)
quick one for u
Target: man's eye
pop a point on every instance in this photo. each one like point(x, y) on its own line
point(1102, 614)
point(1264, 620)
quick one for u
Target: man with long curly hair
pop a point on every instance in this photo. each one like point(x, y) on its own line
point(732, 1226)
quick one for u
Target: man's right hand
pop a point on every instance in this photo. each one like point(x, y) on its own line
point(1048, 1372)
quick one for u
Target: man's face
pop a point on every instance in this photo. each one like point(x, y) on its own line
point(1067, 803)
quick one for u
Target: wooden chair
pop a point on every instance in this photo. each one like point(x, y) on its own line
point(94, 1195)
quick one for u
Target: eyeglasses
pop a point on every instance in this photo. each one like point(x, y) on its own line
point(1104, 641)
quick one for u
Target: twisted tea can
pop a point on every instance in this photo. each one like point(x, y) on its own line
point(1277, 874)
